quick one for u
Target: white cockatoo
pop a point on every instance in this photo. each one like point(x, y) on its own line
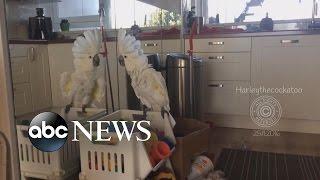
point(148, 84)
point(86, 85)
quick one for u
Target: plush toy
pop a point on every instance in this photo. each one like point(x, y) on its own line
point(164, 174)
point(86, 85)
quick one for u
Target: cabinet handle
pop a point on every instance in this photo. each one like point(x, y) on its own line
point(31, 54)
point(216, 57)
point(287, 41)
point(216, 85)
point(150, 44)
point(216, 43)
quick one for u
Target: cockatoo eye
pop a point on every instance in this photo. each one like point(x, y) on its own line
point(96, 60)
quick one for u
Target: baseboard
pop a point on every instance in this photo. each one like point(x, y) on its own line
point(245, 122)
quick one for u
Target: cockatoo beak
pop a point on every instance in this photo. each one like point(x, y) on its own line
point(121, 60)
point(96, 60)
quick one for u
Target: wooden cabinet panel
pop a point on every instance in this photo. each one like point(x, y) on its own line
point(40, 79)
point(20, 70)
point(222, 98)
point(171, 46)
point(290, 61)
point(22, 99)
point(227, 66)
point(20, 50)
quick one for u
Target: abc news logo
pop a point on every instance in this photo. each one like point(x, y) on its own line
point(48, 131)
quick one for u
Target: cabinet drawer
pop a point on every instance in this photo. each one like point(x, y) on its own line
point(223, 98)
point(221, 45)
point(22, 99)
point(171, 46)
point(20, 50)
point(20, 70)
point(227, 66)
point(289, 41)
point(152, 46)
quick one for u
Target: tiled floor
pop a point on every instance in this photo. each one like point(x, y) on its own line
point(292, 143)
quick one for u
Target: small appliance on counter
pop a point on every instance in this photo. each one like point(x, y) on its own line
point(40, 27)
point(266, 24)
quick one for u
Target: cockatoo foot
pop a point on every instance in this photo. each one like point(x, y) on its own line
point(68, 108)
point(164, 111)
point(145, 109)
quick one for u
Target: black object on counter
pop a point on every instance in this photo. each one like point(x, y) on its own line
point(40, 27)
point(266, 24)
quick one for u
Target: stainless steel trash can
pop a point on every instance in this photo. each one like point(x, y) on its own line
point(183, 83)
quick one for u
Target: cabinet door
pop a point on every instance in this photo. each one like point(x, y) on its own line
point(40, 79)
point(60, 60)
point(22, 99)
point(291, 61)
point(222, 97)
point(20, 70)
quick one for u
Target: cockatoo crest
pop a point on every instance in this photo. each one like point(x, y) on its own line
point(85, 48)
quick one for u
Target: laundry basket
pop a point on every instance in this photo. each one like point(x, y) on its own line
point(58, 165)
point(127, 160)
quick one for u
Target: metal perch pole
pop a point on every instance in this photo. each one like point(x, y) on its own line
point(101, 19)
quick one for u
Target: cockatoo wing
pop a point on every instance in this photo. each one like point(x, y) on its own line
point(66, 84)
point(152, 90)
point(99, 90)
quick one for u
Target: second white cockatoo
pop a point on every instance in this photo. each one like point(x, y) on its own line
point(148, 84)
point(86, 84)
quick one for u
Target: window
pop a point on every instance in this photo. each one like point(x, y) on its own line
point(144, 14)
point(77, 8)
point(119, 13)
point(229, 10)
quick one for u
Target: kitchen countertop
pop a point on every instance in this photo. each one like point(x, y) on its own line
point(176, 36)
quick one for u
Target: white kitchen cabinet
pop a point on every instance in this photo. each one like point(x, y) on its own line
point(226, 67)
point(31, 79)
point(289, 61)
